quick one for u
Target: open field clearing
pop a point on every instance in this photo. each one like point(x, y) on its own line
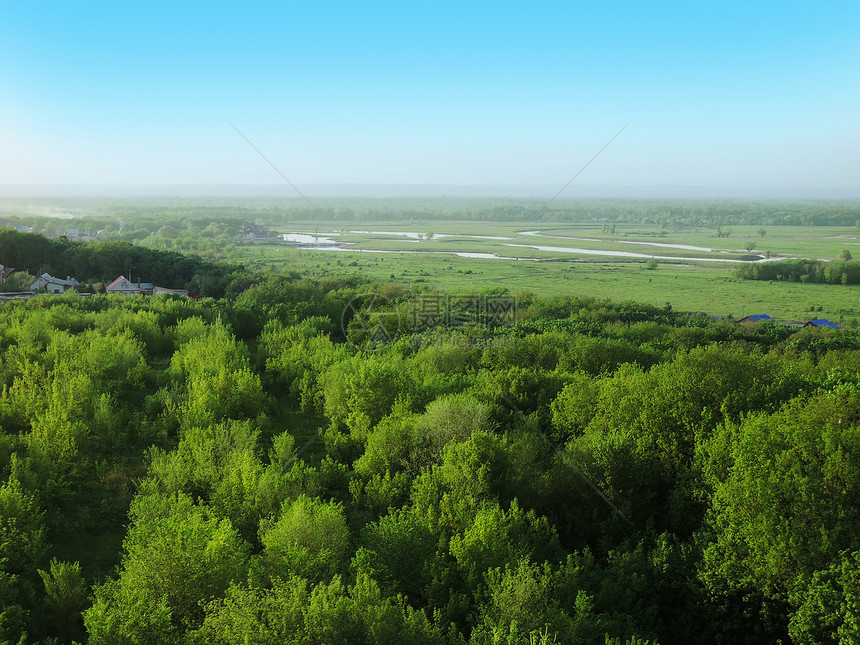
point(693, 273)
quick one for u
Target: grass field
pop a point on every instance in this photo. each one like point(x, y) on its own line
point(697, 279)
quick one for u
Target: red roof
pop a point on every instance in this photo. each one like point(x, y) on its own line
point(133, 288)
point(115, 282)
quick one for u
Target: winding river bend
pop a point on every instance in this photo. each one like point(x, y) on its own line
point(328, 242)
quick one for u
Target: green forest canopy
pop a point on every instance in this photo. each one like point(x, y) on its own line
point(300, 463)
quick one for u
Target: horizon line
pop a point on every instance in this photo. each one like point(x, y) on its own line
point(402, 190)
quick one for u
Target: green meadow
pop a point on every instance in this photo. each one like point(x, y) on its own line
point(698, 280)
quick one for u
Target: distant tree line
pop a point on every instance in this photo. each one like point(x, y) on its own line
point(139, 219)
point(664, 213)
point(802, 270)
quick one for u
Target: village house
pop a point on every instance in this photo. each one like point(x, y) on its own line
point(754, 318)
point(126, 287)
point(53, 285)
point(251, 231)
point(822, 322)
point(5, 272)
point(156, 291)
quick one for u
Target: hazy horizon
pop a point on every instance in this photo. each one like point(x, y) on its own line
point(382, 191)
point(432, 94)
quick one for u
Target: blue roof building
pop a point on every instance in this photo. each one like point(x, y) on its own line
point(755, 318)
point(822, 322)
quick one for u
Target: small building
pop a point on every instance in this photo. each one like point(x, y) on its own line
point(251, 231)
point(125, 287)
point(157, 291)
point(18, 295)
point(5, 272)
point(822, 322)
point(53, 285)
point(77, 234)
point(755, 318)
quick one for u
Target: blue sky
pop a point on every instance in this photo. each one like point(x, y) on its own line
point(717, 94)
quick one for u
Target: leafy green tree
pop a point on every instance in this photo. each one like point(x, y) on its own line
point(604, 355)
point(310, 538)
point(219, 464)
point(14, 616)
point(22, 534)
point(522, 604)
point(121, 614)
point(390, 445)
point(260, 616)
point(248, 492)
point(574, 407)
point(67, 595)
point(177, 555)
point(360, 390)
point(498, 538)
point(218, 381)
point(18, 281)
point(450, 418)
point(225, 395)
point(829, 604)
point(473, 471)
point(297, 356)
point(331, 613)
point(22, 545)
point(398, 550)
point(207, 351)
point(200, 460)
point(784, 485)
point(283, 451)
point(518, 391)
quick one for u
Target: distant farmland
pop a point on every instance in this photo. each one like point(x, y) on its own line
point(693, 270)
